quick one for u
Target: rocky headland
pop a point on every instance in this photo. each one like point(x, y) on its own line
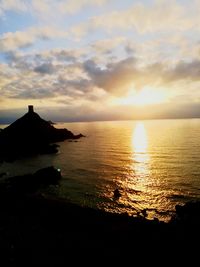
point(31, 135)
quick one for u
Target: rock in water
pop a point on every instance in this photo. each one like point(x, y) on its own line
point(29, 183)
point(117, 193)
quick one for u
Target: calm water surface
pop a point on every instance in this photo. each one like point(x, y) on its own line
point(155, 164)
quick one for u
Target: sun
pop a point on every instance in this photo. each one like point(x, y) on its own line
point(146, 96)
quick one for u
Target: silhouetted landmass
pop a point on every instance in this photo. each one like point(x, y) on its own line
point(29, 183)
point(41, 230)
point(31, 135)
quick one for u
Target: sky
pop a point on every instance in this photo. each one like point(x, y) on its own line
point(87, 60)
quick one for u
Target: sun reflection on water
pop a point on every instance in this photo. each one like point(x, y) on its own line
point(140, 150)
point(139, 138)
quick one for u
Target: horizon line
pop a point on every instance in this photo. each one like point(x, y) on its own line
point(111, 120)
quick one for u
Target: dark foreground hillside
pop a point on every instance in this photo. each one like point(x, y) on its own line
point(37, 230)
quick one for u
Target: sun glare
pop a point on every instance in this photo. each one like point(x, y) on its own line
point(145, 96)
point(148, 96)
point(140, 139)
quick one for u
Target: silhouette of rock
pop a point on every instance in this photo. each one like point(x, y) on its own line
point(188, 213)
point(29, 183)
point(29, 135)
point(117, 193)
point(51, 122)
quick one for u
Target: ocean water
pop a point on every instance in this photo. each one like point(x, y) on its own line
point(155, 164)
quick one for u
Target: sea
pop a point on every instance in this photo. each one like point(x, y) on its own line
point(155, 164)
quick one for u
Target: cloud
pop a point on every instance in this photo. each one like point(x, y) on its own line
point(185, 71)
point(161, 16)
point(114, 77)
point(65, 55)
point(37, 77)
point(53, 11)
point(15, 5)
point(62, 55)
point(54, 58)
point(57, 77)
point(12, 41)
point(122, 76)
point(165, 74)
point(72, 6)
point(31, 93)
point(29, 87)
point(46, 68)
point(106, 46)
point(43, 7)
point(130, 48)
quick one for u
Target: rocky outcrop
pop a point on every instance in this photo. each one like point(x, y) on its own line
point(189, 213)
point(31, 135)
point(29, 183)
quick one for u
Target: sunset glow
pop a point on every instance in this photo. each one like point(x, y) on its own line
point(99, 130)
point(144, 97)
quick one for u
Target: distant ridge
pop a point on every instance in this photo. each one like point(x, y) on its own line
point(31, 134)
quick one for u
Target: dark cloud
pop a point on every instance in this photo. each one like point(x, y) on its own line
point(82, 85)
point(41, 62)
point(46, 68)
point(119, 73)
point(65, 55)
point(129, 49)
point(184, 71)
point(37, 93)
point(115, 76)
point(18, 61)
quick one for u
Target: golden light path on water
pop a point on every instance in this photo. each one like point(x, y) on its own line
point(140, 186)
point(135, 186)
point(140, 163)
point(140, 153)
